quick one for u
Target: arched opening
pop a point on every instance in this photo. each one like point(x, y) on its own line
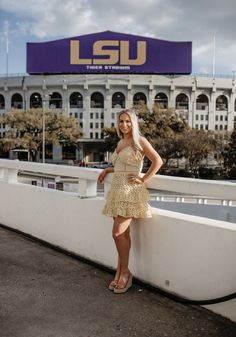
point(35, 100)
point(221, 103)
point(17, 101)
point(55, 101)
point(97, 100)
point(139, 97)
point(2, 102)
point(76, 100)
point(161, 100)
point(118, 100)
point(181, 102)
point(202, 102)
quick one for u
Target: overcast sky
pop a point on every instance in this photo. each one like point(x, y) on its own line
point(174, 20)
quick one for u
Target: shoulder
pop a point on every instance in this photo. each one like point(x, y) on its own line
point(144, 142)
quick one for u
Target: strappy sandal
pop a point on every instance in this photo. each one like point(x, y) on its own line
point(122, 286)
point(113, 284)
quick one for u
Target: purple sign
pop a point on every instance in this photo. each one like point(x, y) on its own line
point(109, 52)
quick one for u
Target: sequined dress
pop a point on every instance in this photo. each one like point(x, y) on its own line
point(126, 198)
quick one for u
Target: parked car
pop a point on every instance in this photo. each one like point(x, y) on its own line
point(102, 165)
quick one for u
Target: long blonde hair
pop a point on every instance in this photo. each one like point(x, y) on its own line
point(135, 128)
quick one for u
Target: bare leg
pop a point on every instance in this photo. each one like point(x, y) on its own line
point(114, 282)
point(121, 235)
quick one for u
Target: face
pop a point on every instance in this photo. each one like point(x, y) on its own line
point(125, 124)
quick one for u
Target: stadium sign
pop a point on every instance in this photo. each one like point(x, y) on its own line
point(109, 52)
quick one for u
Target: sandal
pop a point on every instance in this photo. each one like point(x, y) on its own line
point(114, 282)
point(123, 285)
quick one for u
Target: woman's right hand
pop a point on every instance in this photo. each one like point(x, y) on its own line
point(102, 176)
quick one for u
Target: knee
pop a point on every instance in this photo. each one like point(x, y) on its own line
point(117, 235)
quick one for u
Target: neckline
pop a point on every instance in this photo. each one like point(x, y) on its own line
point(122, 149)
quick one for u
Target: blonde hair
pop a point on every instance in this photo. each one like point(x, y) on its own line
point(135, 128)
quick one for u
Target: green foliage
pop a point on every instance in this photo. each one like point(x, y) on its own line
point(229, 155)
point(197, 145)
point(111, 139)
point(24, 130)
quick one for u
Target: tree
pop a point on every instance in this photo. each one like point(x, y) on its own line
point(197, 145)
point(24, 130)
point(162, 128)
point(111, 139)
point(229, 155)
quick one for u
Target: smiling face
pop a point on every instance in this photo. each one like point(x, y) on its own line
point(125, 125)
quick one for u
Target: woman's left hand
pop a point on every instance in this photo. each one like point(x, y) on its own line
point(134, 178)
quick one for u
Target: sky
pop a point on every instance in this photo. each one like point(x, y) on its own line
point(199, 21)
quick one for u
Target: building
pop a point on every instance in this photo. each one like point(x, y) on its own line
point(95, 97)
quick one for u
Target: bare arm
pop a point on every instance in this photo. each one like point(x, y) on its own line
point(153, 156)
point(103, 174)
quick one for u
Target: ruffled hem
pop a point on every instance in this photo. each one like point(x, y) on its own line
point(127, 210)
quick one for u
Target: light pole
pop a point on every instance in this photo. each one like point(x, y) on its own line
point(43, 133)
point(44, 100)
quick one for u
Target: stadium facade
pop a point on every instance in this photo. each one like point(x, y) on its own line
point(94, 76)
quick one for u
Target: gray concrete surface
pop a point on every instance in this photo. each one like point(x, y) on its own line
point(44, 293)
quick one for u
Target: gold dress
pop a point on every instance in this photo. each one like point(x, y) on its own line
point(126, 198)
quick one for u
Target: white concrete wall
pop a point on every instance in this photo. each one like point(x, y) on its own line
point(190, 256)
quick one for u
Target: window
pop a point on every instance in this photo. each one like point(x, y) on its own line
point(206, 117)
point(2, 102)
point(76, 115)
point(113, 115)
point(76, 100)
point(102, 115)
point(226, 118)
point(96, 135)
point(201, 126)
point(196, 117)
point(221, 118)
point(202, 117)
point(35, 101)
point(221, 127)
point(91, 135)
point(225, 127)
point(81, 125)
point(91, 115)
point(216, 118)
point(55, 101)
point(196, 126)
point(81, 115)
point(161, 100)
point(102, 125)
point(216, 127)
point(91, 125)
point(202, 102)
point(181, 102)
point(96, 125)
point(118, 100)
point(17, 101)
point(139, 97)
point(97, 115)
point(112, 125)
point(97, 100)
point(221, 103)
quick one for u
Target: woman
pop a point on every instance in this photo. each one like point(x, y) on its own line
point(128, 196)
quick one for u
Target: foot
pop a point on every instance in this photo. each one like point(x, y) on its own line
point(124, 283)
point(114, 282)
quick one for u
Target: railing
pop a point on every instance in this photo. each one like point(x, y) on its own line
point(186, 255)
point(88, 180)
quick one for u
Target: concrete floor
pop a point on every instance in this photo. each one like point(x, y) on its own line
point(44, 293)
